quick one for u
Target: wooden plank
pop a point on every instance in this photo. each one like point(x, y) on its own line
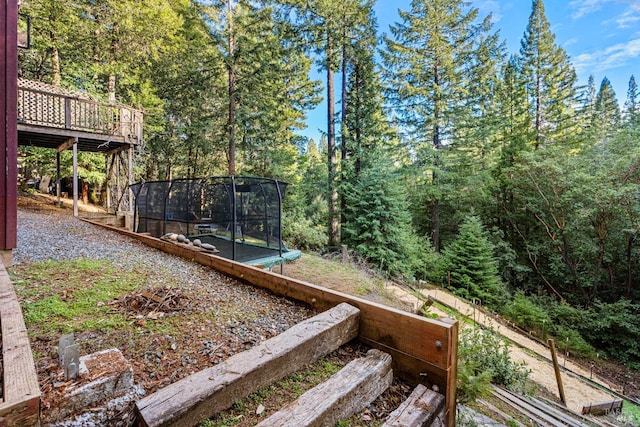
point(66, 145)
point(451, 389)
point(506, 417)
point(21, 404)
point(344, 394)
point(71, 133)
point(419, 410)
point(205, 393)
point(524, 407)
point(590, 421)
point(603, 408)
point(567, 416)
point(423, 349)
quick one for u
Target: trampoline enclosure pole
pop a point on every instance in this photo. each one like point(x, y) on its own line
point(279, 217)
point(234, 216)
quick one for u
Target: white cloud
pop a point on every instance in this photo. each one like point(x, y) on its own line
point(607, 59)
point(571, 41)
point(627, 19)
point(585, 7)
point(630, 15)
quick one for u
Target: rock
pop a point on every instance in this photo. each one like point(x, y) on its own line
point(181, 238)
point(110, 375)
point(208, 247)
point(197, 242)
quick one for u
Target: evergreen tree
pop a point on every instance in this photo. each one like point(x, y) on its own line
point(471, 264)
point(550, 81)
point(632, 105)
point(378, 223)
point(428, 63)
point(513, 135)
point(588, 110)
point(607, 112)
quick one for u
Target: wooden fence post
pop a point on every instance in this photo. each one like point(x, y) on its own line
point(556, 367)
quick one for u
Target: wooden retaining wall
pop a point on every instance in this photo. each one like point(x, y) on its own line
point(424, 351)
point(20, 405)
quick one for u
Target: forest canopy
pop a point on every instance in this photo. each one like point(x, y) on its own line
point(445, 158)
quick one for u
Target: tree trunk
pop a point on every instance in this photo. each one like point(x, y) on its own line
point(85, 192)
point(538, 113)
point(115, 47)
point(345, 134)
point(232, 92)
point(630, 241)
point(435, 211)
point(331, 153)
point(112, 87)
point(56, 78)
point(358, 118)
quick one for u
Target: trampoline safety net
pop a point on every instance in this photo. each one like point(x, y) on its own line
point(241, 216)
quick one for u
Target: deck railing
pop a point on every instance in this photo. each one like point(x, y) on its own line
point(42, 108)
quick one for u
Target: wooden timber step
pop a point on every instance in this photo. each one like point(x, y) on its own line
point(423, 408)
point(537, 411)
point(20, 401)
point(344, 394)
point(215, 389)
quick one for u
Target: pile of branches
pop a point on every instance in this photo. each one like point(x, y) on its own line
point(154, 300)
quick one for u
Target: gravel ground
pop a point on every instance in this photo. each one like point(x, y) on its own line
point(239, 315)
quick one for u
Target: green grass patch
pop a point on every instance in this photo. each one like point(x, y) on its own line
point(59, 297)
point(631, 413)
point(343, 277)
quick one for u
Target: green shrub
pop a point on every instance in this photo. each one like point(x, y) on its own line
point(614, 328)
point(576, 344)
point(483, 357)
point(301, 233)
point(526, 313)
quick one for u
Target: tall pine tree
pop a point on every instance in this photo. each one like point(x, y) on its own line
point(428, 62)
point(550, 80)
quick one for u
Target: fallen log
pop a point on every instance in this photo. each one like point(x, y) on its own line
point(344, 394)
point(215, 389)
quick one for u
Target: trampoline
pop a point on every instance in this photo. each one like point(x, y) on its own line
point(240, 215)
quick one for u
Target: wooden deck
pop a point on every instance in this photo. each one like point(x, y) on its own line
point(49, 116)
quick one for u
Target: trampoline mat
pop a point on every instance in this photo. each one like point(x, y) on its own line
point(244, 251)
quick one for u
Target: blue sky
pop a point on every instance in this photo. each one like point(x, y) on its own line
point(602, 38)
